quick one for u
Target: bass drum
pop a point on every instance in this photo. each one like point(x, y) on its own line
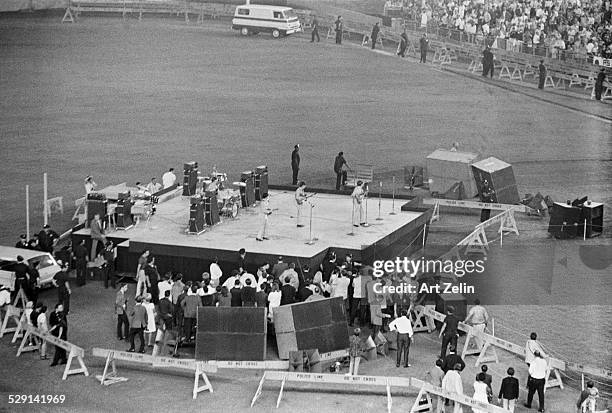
point(230, 209)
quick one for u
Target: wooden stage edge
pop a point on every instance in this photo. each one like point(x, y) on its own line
point(192, 255)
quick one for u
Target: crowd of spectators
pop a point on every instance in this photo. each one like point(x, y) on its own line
point(581, 28)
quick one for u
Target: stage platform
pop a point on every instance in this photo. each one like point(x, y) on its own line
point(165, 234)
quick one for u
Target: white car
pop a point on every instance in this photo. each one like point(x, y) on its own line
point(256, 18)
point(47, 266)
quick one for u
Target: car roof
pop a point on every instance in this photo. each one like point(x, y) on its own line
point(11, 253)
point(265, 7)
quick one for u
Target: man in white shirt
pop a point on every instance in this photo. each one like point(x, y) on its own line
point(292, 274)
point(356, 307)
point(231, 281)
point(339, 287)
point(215, 272)
point(153, 186)
point(247, 276)
point(452, 384)
point(405, 336)
point(478, 318)
point(531, 347)
point(264, 212)
point(169, 179)
point(90, 185)
point(300, 201)
point(537, 380)
point(165, 285)
point(274, 300)
point(5, 300)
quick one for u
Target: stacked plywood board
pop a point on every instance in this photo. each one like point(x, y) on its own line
point(445, 168)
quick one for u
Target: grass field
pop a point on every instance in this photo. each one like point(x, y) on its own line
point(124, 101)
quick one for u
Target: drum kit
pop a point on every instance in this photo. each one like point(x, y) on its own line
point(229, 202)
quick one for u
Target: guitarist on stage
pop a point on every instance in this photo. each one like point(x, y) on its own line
point(265, 212)
point(358, 196)
point(301, 201)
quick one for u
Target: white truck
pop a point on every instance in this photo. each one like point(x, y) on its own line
point(256, 18)
point(47, 266)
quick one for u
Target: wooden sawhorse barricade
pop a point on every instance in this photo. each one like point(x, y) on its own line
point(200, 368)
point(327, 378)
point(15, 314)
point(72, 350)
point(427, 389)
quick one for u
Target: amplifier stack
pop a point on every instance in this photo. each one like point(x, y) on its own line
point(124, 211)
point(247, 191)
point(96, 203)
point(190, 178)
point(196, 216)
point(211, 208)
point(261, 182)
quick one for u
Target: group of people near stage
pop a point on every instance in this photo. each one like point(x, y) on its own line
point(583, 27)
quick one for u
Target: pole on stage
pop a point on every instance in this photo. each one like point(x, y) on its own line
point(352, 233)
point(424, 232)
point(45, 206)
point(393, 204)
point(366, 210)
point(379, 201)
point(28, 212)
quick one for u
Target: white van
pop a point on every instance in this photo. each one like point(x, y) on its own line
point(47, 266)
point(255, 18)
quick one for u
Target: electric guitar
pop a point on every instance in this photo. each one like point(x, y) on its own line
point(269, 211)
point(304, 198)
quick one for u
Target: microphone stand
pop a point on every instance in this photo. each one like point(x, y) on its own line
point(366, 209)
point(393, 202)
point(352, 233)
point(311, 240)
point(379, 201)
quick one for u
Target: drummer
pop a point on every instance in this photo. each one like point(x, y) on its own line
point(213, 186)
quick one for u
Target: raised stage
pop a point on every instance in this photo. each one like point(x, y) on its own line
point(165, 234)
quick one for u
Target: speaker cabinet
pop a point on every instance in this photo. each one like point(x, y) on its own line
point(211, 208)
point(96, 206)
point(565, 221)
point(124, 213)
point(247, 192)
point(261, 182)
point(495, 181)
point(196, 215)
point(190, 178)
point(592, 213)
point(317, 324)
point(231, 333)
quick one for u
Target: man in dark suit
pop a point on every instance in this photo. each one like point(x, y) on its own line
point(242, 260)
point(152, 276)
point(448, 332)
point(59, 328)
point(339, 169)
point(424, 46)
point(22, 276)
point(138, 323)
point(22, 243)
point(121, 311)
point(509, 390)
point(166, 309)
point(374, 36)
point(97, 235)
point(287, 292)
point(279, 268)
point(80, 255)
point(295, 162)
point(247, 294)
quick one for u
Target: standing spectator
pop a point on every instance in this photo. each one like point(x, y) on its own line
point(401, 51)
point(287, 292)
point(480, 391)
point(34, 243)
point(59, 328)
point(452, 359)
point(261, 296)
point(90, 185)
point(247, 294)
point(152, 279)
point(542, 76)
point(33, 285)
point(374, 36)
point(151, 328)
point(153, 187)
point(403, 327)
point(377, 315)
point(274, 300)
point(169, 178)
point(537, 379)
point(224, 299)
point(340, 166)
point(236, 293)
point(292, 275)
point(488, 380)
point(110, 254)
point(339, 29)
point(295, 163)
point(121, 311)
point(47, 239)
point(424, 46)
point(448, 332)
point(165, 285)
point(355, 350)
point(478, 318)
point(190, 306)
point(215, 272)
point(304, 291)
point(509, 391)
point(601, 76)
point(435, 376)
point(452, 383)
point(177, 288)
point(166, 309)
point(60, 280)
point(141, 275)
point(279, 268)
point(43, 326)
point(315, 29)
point(531, 347)
point(97, 235)
point(81, 256)
point(487, 62)
point(138, 322)
point(339, 286)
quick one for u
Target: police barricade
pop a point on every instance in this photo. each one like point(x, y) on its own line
point(319, 378)
point(72, 350)
point(14, 313)
point(427, 389)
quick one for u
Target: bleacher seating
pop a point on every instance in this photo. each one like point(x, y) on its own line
point(359, 172)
